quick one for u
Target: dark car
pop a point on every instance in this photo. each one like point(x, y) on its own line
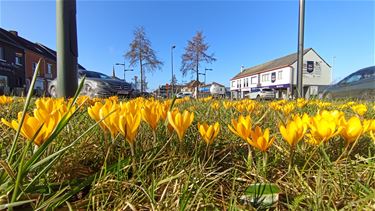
point(360, 84)
point(98, 85)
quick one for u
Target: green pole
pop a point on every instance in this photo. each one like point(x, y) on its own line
point(67, 51)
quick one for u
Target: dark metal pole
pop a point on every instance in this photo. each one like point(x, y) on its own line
point(67, 50)
point(173, 46)
point(124, 68)
point(301, 21)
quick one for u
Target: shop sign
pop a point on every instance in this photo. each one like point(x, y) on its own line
point(310, 66)
point(273, 77)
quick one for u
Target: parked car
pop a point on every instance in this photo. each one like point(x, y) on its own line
point(184, 94)
point(360, 84)
point(97, 85)
point(261, 93)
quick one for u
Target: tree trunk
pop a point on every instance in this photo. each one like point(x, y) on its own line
point(140, 65)
point(196, 88)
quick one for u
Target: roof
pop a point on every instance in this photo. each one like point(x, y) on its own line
point(271, 65)
point(35, 47)
point(193, 83)
point(28, 44)
point(5, 37)
point(53, 54)
point(212, 84)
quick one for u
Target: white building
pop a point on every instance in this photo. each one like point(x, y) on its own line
point(281, 74)
point(213, 89)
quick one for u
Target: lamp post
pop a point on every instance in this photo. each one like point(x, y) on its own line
point(172, 82)
point(67, 50)
point(301, 25)
point(123, 64)
point(205, 73)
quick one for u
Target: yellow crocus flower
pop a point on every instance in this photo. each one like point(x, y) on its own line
point(260, 140)
point(209, 132)
point(102, 111)
point(359, 109)
point(150, 114)
point(241, 127)
point(215, 105)
point(369, 126)
point(180, 122)
point(128, 125)
point(351, 129)
point(30, 127)
point(294, 131)
point(324, 126)
point(5, 100)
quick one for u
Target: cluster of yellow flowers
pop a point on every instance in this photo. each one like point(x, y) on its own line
point(255, 137)
point(46, 116)
point(115, 117)
point(323, 126)
point(5, 100)
point(125, 117)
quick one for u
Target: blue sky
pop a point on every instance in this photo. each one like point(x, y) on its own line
point(238, 32)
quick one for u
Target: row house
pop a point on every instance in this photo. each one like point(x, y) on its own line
point(25, 56)
point(281, 75)
point(12, 65)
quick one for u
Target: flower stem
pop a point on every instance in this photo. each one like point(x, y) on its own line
point(19, 174)
point(133, 157)
point(291, 156)
point(265, 164)
point(154, 135)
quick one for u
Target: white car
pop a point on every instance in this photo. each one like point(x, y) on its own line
point(184, 94)
point(261, 93)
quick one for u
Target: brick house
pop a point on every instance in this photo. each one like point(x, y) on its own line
point(32, 52)
point(12, 65)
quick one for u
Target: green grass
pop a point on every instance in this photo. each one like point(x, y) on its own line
point(198, 178)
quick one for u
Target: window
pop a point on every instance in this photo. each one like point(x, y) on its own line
point(34, 68)
point(354, 78)
point(232, 83)
point(280, 75)
point(266, 77)
point(2, 56)
point(254, 80)
point(3, 81)
point(18, 59)
point(245, 82)
point(49, 68)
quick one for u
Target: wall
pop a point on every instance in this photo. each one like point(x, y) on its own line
point(285, 77)
point(321, 74)
point(15, 73)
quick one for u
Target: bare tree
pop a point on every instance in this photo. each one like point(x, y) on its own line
point(141, 53)
point(195, 53)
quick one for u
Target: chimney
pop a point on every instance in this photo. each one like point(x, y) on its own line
point(15, 33)
point(242, 67)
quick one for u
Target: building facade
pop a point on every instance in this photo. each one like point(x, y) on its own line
point(18, 61)
point(213, 89)
point(12, 65)
point(281, 75)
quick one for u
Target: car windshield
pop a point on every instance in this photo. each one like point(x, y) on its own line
point(267, 90)
point(91, 74)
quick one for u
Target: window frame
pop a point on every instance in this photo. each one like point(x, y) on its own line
point(2, 54)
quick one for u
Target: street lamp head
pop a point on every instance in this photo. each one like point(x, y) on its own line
point(173, 46)
point(209, 69)
point(119, 64)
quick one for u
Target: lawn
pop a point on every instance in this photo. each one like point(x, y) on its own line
point(146, 154)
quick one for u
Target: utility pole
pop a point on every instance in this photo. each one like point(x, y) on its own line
point(301, 21)
point(172, 82)
point(67, 50)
